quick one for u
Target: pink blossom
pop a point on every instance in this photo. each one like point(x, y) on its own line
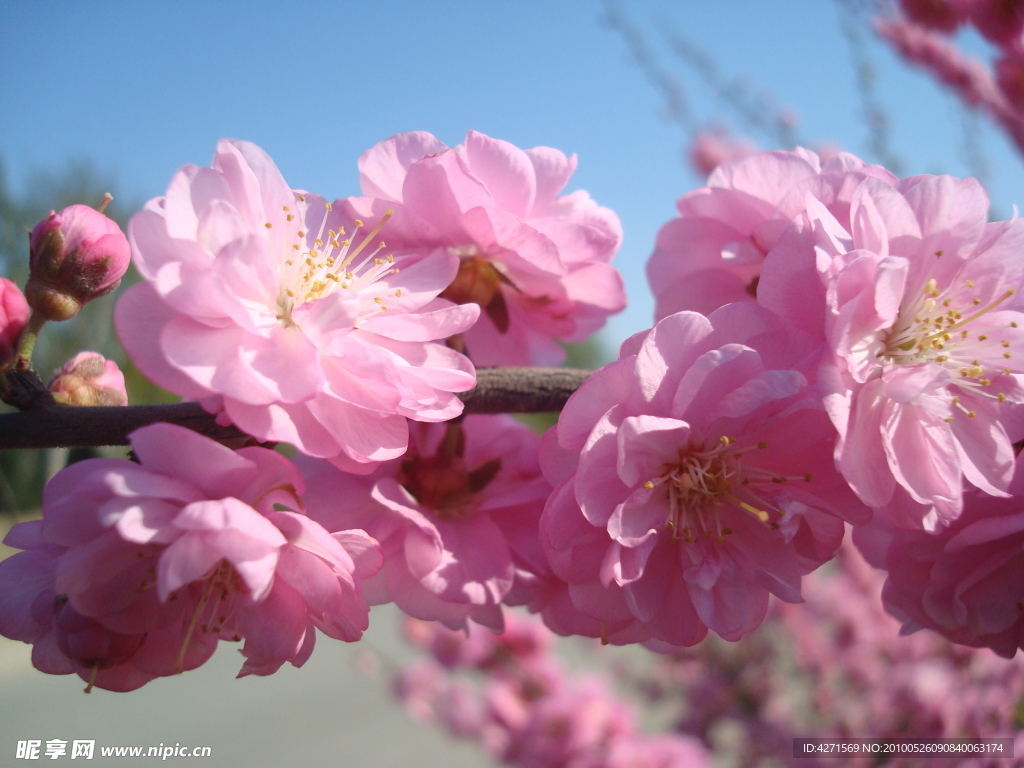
point(941, 15)
point(693, 480)
point(669, 751)
point(574, 727)
point(13, 319)
point(964, 581)
point(709, 149)
point(1010, 75)
point(89, 379)
point(711, 254)
point(75, 256)
point(136, 572)
point(917, 299)
point(288, 317)
point(1001, 21)
point(456, 516)
point(534, 260)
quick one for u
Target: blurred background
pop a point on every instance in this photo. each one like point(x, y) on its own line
point(115, 96)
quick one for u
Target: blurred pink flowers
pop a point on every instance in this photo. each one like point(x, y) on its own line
point(289, 318)
point(457, 518)
point(526, 709)
point(693, 479)
point(534, 260)
point(76, 255)
point(136, 572)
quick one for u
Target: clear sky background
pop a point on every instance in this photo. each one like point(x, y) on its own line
point(141, 88)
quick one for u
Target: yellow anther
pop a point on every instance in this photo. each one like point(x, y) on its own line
point(398, 292)
point(359, 223)
point(1004, 344)
point(970, 283)
point(984, 382)
point(648, 485)
point(382, 244)
point(948, 419)
point(1007, 355)
point(378, 261)
point(319, 243)
point(391, 258)
point(301, 233)
point(971, 414)
point(289, 262)
point(296, 247)
point(346, 243)
point(302, 198)
point(1013, 324)
point(930, 288)
point(290, 294)
point(290, 216)
point(328, 206)
point(982, 337)
point(723, 440)
point(939, 253)
point(378, 299)
point(941, 359)
point(268, 225)
point(285, 208)
point(1001, 397)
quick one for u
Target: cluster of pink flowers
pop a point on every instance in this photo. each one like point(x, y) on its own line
point(834, 346)
point(457, 519)
point(527, 710)
point(136, 571)
point(534, 260)
point(897, 301)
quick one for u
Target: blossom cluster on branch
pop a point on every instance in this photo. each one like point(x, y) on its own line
point(834, 347)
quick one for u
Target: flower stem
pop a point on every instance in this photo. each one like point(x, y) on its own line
point(28, 341)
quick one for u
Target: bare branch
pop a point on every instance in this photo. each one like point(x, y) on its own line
point(498, 390)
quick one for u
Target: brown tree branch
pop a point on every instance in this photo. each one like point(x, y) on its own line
point(498, 390)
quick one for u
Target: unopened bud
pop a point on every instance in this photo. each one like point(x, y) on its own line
point(75, 256)
point(13, 318)
point(89, 379)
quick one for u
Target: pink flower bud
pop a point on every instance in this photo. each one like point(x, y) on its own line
point(75, 256)
point(89, 379)
point(13, 318)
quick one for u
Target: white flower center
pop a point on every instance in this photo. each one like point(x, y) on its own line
point(312, 267)
point(949, 328)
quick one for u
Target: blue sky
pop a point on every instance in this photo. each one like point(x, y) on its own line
point(143, 88)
